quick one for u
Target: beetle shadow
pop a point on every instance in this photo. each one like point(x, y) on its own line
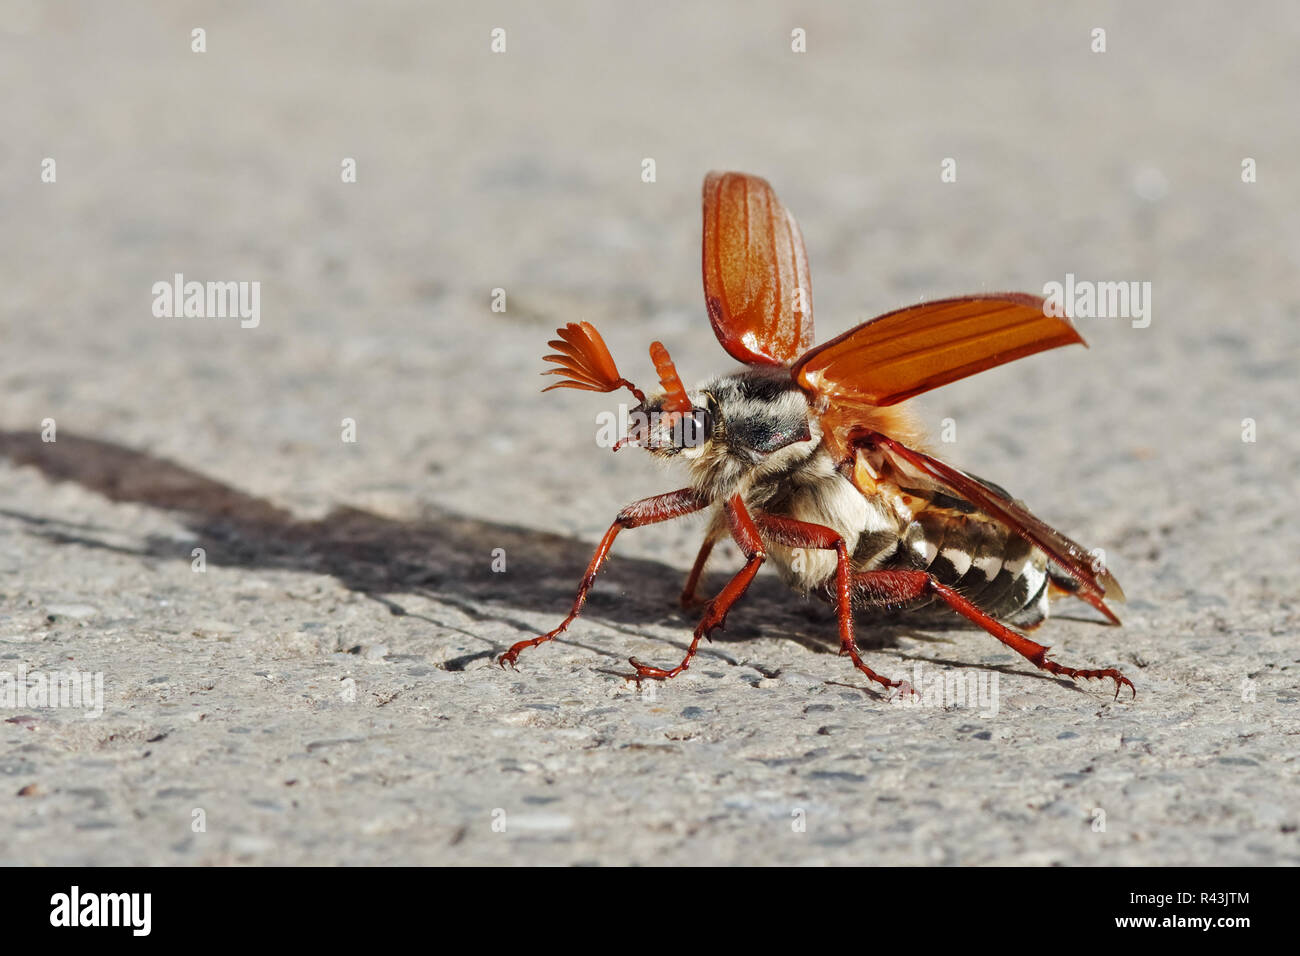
point(442, 556)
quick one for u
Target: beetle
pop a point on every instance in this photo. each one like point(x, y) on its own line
point(808, 459)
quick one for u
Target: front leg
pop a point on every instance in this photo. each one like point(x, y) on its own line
point(746, 535)
point(646, 511)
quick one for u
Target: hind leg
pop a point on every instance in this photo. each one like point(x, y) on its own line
point(890, 588)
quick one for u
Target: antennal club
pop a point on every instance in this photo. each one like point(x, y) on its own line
point(675, 399)
point(585, 359)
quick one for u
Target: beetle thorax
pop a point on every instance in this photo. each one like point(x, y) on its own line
point(761, 426)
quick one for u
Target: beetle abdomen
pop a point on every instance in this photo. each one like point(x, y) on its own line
point(997, 570)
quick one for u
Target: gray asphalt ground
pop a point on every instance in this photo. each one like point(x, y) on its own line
point(324, 691)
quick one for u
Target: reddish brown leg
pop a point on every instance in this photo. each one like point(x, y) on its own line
point(896, 587)
point(802, 534)
point(689, 598)
point(647, 511)
point(746, 535)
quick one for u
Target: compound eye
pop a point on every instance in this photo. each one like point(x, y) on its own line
point(697, 428)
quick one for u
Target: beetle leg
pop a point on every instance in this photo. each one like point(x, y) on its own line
point(794, 533)
point(746, 535)
point(643, 512)
point(689, 599)
point(884, 588)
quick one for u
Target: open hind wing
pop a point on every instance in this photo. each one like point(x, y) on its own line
point(1092, 582)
